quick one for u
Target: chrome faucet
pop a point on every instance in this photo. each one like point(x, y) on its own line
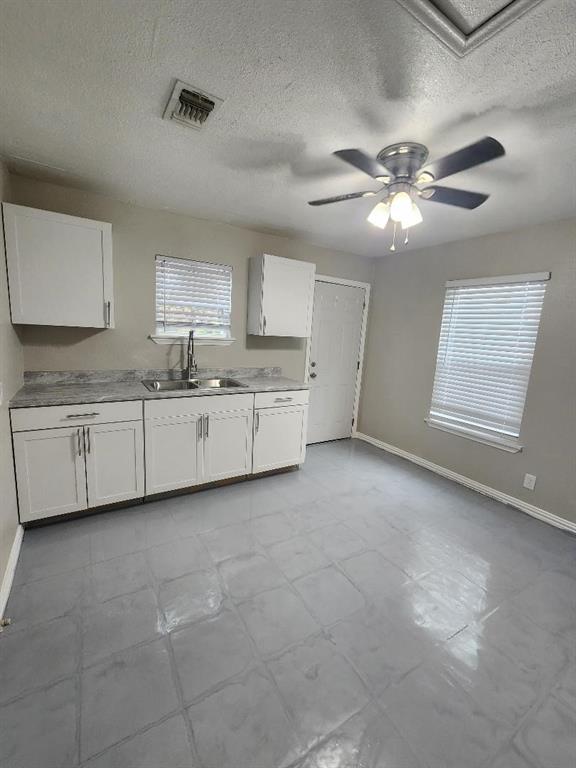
point(192, 366)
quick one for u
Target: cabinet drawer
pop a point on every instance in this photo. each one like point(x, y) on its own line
point(46, 417)
point(184, 406)
point(278, 399)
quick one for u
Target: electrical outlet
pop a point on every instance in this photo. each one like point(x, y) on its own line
point(529, 482)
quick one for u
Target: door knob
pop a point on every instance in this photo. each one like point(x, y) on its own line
point(313, 365)
point(312, 375)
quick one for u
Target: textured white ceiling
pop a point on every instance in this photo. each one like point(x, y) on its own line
point(83, 86)
point(470, 14)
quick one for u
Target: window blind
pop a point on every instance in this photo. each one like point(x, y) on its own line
point(193, 295)
point(487, 341)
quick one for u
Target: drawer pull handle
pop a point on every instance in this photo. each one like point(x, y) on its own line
point(81, 415)
point(283, 399)
point(89, 445)
point(257, 425)
point(78, 433)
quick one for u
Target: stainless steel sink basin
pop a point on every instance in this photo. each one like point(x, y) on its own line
point(173, 386)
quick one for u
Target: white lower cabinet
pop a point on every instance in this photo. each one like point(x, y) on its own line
point(50, 472)
point(227, 445)
point(173, 453)
point(210, 443)
point(114, 462)
point(279, 437)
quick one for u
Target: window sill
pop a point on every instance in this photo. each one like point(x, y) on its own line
point(198, 342)
point(510, 445)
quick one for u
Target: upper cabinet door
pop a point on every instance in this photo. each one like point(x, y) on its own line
point(280, 296)
point(59, 268)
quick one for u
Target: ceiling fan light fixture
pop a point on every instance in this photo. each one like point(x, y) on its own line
point(384, 179)
point(368, 194)
point(414, 218)
point(425, 178)
point(379, 215)
point(400, 207)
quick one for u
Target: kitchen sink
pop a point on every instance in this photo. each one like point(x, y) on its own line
point(182, 384)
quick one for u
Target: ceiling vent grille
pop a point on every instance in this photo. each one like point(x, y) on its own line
point(190, 106)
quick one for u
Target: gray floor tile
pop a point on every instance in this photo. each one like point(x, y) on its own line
point(271, 529)
point(458, 593)
point(46, 599)
point(337, 541)
point(510, 758)
point(124, 694)
point(373, 574)
point(416, 555)
point(39, 730)
point(34, 657)
point(210, 652)
point(442, 724)
point(49, 551)
point(190, 598)
point(276, 619)
point(548, 738)
point(497, 684)
point(112, 578)
point(329, 595)
point(320, 688)
point(247, 575)
point(163, 746)
point(244, 724)
point(232, 541)
point(297, 557)
point(111, 540)
point(566, 687)
point(313, 515)
point(176, 558)
point(550, 602)
point(118, 624)
point(367, 740)
point(155, 524)
point(381, 650)
point(372, 528)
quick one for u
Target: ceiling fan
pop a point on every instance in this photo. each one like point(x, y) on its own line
point(401, 170)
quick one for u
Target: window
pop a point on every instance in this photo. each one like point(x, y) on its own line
point(487, 341)
point(193, 295)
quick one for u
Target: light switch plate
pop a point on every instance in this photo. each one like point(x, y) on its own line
point(529, 482)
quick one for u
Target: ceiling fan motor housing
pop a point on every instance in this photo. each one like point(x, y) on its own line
point(403, 160)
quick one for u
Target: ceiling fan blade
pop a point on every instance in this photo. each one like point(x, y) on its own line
point(475, 154)
point(460, 197)
point(363, 162)
point(338, 198)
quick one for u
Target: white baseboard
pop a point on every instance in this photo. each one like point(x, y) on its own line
point(10, 570)
point(524, 506)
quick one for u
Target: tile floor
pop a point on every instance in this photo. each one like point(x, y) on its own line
point(361, 612)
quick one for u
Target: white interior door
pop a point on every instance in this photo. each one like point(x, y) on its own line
point(334, 358)
point(50, 471)
point(114, 462)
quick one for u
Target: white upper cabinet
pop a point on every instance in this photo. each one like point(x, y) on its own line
point(59, 268)
point(280, 296)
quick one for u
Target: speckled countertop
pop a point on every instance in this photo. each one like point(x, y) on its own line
point(66, 388)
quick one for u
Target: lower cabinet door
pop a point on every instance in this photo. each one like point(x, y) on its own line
point(279, 437)
point(114, 462)
point(227, 444)
point(173, 453)
point(50, 472)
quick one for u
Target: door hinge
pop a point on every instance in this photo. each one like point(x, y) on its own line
point(353, 420)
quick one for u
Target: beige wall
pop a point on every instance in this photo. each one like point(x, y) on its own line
point(139, 234)
point(401, 355)
point(11, 378)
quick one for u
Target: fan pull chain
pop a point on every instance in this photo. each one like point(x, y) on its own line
point(393, 246)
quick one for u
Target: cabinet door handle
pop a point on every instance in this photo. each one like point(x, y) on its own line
point(264, 329)
point(257, 425)
point(81, 415)
point(283, 399)
point(207, 426)
point(200, 427)
point(89, 441)
point(108, 309)
point(78, 433)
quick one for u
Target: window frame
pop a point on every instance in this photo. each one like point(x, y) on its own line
point(159, 337)
point(504, 442)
